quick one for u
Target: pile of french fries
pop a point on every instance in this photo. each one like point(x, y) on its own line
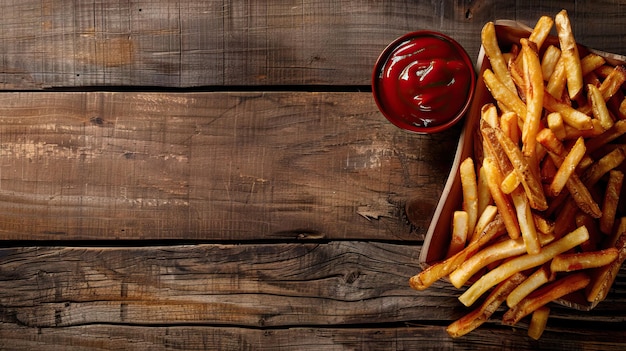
point(541, 216)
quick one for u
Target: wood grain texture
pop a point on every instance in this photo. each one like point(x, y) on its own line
point(185, 43)
point(260, 295)
point(192, 338)
point(212, 166)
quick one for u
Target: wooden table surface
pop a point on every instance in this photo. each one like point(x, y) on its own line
point(196, 175)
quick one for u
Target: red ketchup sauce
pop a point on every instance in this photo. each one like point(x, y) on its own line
point(425, 82)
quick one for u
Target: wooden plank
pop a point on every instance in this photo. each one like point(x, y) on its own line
point(339, 295)
point(191, 338)
point(186, 43)
point(213, 166)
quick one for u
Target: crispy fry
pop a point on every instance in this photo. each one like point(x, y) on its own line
point(557, 80)
point(484, 196)
point(534, 97)
point(522, 263)
point(549, 60)
point(428, 276)
point(530, 284)
point(487, 216)
point(510, 126)
point(603, 166)
point(569, 53)
point(526, 223)
point(492, 50)
point(611, 198)
point(509, 183)
point(538, 322)
point(583, 260)
point(567, 167)
point(494, 179)
point(555, 123)
point(470, 192)
point(598, 107)
point(503, 95)
point(613, 82)
point(489, 113)
point(591, 62)
point(541, 31)
point(480, 315)
point(548, 293)
point(459, 232)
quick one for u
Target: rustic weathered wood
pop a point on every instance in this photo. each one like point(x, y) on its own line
point(241, 177)
point(192, 338)
point(213, 166)
point(185, 43)
point(138, 297)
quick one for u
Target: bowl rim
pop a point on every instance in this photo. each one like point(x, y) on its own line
point(382, 59)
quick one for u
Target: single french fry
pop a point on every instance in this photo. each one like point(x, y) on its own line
point(491, 304)
point(522, 263)
point(613, 82)
point(543, 225)
point(603, 166)
point(583, 260)
point(428, 276)
point(611, 199)
point(503, 95)
point(549, 60)
point(484, 196)
point(470, 192)
point(509, 123)
point(541, 31)
point(489, 42)
point(487, 216)
point(567, 167)
point(569, 53)
point(544, 295)
point(530, 284)
point(526, 222)
point(557, 80)
point(510, 182)
point(591, 62)
point(459, 233)
point(598, 107)
point(505, 208)
point(555, 123)
point(534, 97)
point(538, 322)
point(489, 113)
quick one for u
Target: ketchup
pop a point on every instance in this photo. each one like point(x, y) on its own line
point(425, 81)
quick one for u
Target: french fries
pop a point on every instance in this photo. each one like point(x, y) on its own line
point(549, 150)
